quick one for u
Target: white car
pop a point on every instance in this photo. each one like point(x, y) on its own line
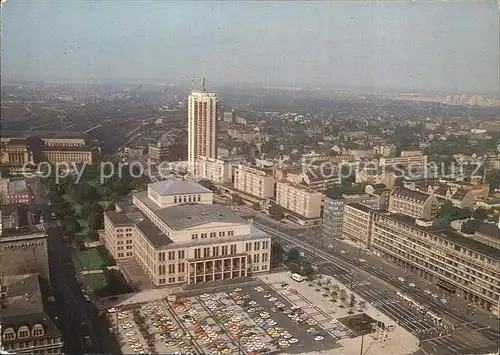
point(435, 295)
point(411, 284)
point(342, 252)
point(362, 260)
point(444, 300)
point(112, 310)
point(427, 292)
point(401, 279)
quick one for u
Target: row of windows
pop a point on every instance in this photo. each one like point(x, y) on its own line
point(257, 245)
point(23, 332)
point(195, 236)
point(162, 269)
point(171, 255)
point(129, 253)
point(171, 280)
point(187, 198)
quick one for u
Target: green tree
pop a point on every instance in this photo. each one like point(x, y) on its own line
point(276, 252)
point(293, 255)
point(70, 226)
point(237, 199)
point(276, 211)
point(96, 218)
point(208, 184)
point(481, 213)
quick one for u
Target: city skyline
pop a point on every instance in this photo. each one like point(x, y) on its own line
point(408, 45)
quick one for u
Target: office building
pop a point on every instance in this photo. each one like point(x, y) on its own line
point(178, 236)
point(202, 130)
point(216, 170)
point(413, 203)
point(254, 181)
point(356, 224)
point(299, 199)
point(457, 264)
point(333, 211)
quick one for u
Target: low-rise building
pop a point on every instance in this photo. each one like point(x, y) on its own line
point(253, 181)
point(299, 199)
point(413, 203)
point(14, 191)
point(69, 155)
point(178, 236)
point(488, 234)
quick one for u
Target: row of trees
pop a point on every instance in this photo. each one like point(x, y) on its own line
point(336, 293)
point(448, 213)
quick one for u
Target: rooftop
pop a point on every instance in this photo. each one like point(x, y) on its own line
point(24, 306)
point(490, 230)
point(399, 191)
point(153, 233)
point(190, 215)
point(118, 218)
point(360, 207)
point(175, 187)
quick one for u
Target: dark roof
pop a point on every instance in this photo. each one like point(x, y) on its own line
point(360, 207)
point(17, 141)
point(43, 134)
point(460, 194)
point(409, 194)
point(325, 172)
point(490, 230)
point(441, 190)
point(24, 305)
point(118, 218)
point(424, 184)
point(153, 233)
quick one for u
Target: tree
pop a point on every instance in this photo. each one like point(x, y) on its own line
point(293, 255)
point(70, 226)
point(208, 184)
point(294, 267)
point(276, 252)
point(96, 218)
point(471, 226)
point(276, 211)
point(237, 199)
point(481, 213)
point(256, 206)
point(343, 294)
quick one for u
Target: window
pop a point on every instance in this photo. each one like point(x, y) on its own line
point(256, 246)
point(248, 247)
point(180, 279)
point(189, 198)
point(129, 247)
point(224, 250)
point(129, 253)
point(206, 252)
point(9, 334)
point(175, 199)
point(161, 256)
point(171, 255)
point(233, 249)
point(203, 235)
point(171, 280)
point(120, 255)
point(265, 257)
point(230, 233)
point(162, 281)
point(180, 267)
point(265, 245)
point(171, 268)
point(199, 198)
point(255, 268)
point(161, 269)
point(195, 236)
point(222, 234)
point(197, 253)
point(255, 258)
point(120, 248)
point(180, 254)
point(128, 242)
point(185, 199)
point(213, 234)
point(215, 251)
point(23, 332)
point(37, 330)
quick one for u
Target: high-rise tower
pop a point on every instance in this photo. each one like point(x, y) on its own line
point(202, 130)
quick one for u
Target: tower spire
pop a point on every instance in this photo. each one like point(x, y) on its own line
point(203, 84)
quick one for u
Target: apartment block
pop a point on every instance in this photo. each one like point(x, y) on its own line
point(333, 212)
point(177, 235)
point(413, 203)
point(216, 170)
point(253, 181)
point(455, 263)
point(299, 199)
point(356, 224)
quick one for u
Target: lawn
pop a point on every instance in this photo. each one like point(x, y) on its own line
point(95, 282)
point(93, 258)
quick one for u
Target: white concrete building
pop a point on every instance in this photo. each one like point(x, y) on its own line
point(177, 235)
point(299, 199)
point(253, 181)
point(202, 119)
point(216, 170)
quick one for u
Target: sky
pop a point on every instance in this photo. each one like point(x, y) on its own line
point(419, 45)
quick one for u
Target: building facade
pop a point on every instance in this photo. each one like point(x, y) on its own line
point(299, 199)
point(455, 263)
point(216, 170)
point(356, 224)
point(413, 203)
point(202, 130)
point(177, 236)
point(253, 181)
point(333, 211)
point(69, 155)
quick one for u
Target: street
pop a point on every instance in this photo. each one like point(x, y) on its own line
point(378, 286)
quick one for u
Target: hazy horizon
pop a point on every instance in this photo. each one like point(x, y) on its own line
point(419, 45)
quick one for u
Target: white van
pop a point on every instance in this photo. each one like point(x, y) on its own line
point(297, 277)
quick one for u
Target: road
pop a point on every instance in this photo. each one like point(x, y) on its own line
point(379, 287)
point(77, 315)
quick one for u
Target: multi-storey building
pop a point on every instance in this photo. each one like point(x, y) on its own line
point(177, 235)
point(69, 155)
point(14, 191)
point(413, 203)
point(16, 153)
point(385, 150)
point(456, 263)
point(26, 328)
point(299, 199)
point(333, 211)
point(202, 119)
point(356, 224)
point(253, 181)
point(320, 178)
point(216, 170)
point(412, 161)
